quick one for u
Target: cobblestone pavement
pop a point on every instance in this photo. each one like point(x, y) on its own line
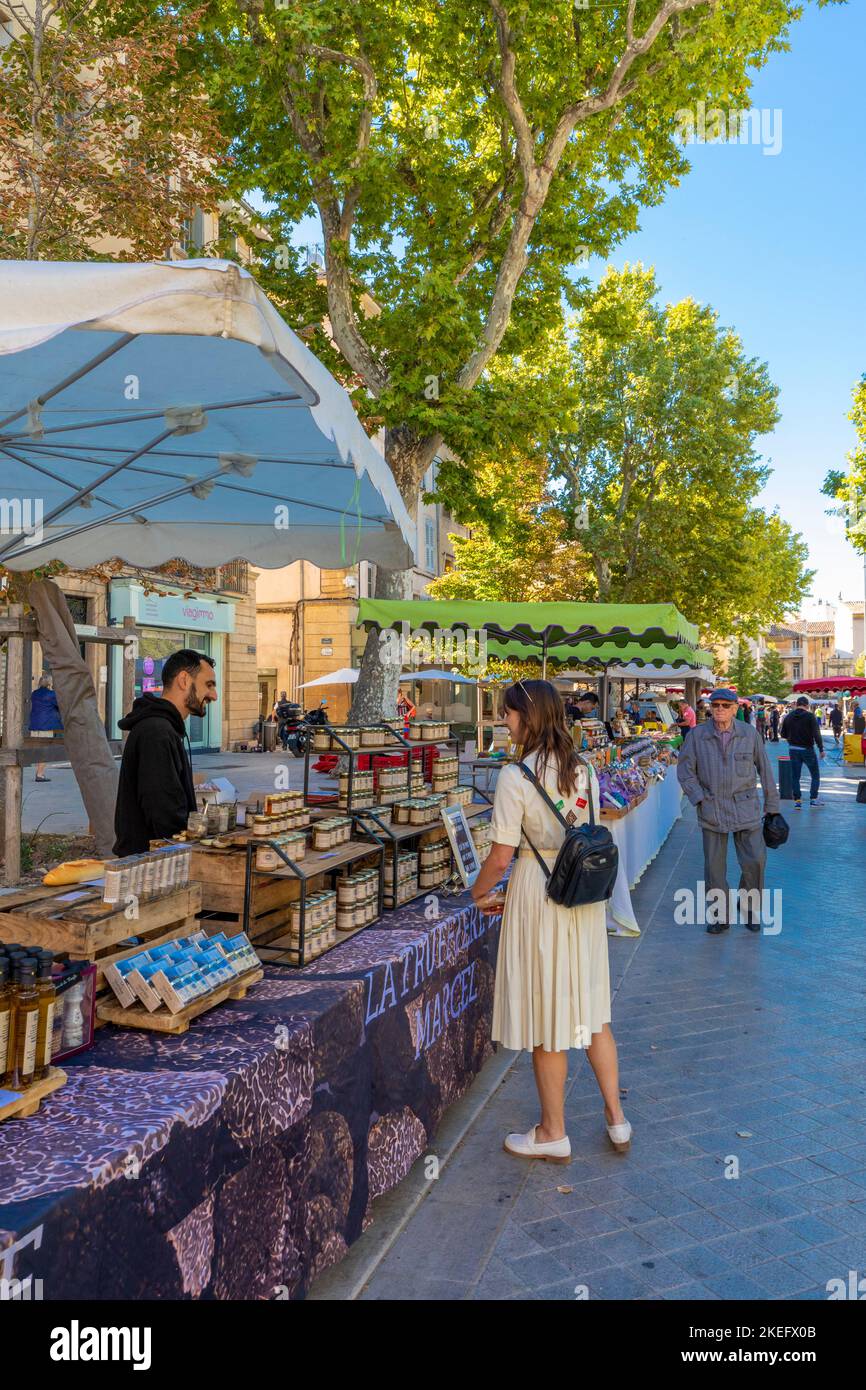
point(739, 1052)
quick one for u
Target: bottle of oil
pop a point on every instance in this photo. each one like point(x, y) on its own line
point(45, 1031)
point(7, 1016)
point(26, 1023)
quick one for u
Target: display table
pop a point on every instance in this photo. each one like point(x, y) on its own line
point(240, 1160)
point(639, 836)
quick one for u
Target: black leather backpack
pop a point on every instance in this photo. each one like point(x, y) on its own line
point(586, 866)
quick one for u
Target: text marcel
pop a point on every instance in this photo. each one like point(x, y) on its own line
point(417, 963)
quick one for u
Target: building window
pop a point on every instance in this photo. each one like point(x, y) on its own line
point(795, 674)
point(429, 546)
point(796, 644)
point(825, 642)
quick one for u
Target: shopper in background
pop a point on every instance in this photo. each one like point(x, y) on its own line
point(859, 722)
point(718, 769)
point(45, 718)
point(836, 722)
point(775, 716)
point(155, 793)
point(552, 990)
point(803, 733)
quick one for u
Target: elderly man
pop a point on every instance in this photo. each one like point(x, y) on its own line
point(718, 767)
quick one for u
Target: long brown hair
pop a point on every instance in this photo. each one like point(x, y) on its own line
point(543, 718)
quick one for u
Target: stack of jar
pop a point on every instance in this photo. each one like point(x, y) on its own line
point(417, 810)
point(435, 862)
point(428, 730)
point(27, 1003)
point(219, 816)
point(357, 899)
point(407, 879)
point(459, 796)
point(146, 875)
point(280, 813)
point(293, 844)
point(345, 736)
point(362, 790)
point(320, 924)
point(446, 772)
point(481, 836)
point(331, 832)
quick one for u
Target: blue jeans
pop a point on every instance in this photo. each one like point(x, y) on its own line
point(799, 756)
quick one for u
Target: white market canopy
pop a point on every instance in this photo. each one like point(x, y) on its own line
point(432, 674)
point(648, 673)
point(347, 675)
point(161, 410)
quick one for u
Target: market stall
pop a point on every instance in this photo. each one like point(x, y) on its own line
point(241, 1159)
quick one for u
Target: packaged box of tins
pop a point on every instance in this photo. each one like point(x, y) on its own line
point(293, 844)
point(458, 796)
point(331, 832)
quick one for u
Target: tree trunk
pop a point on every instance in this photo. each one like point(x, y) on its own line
point(375, 694)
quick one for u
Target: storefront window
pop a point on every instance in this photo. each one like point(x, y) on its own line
point(154, 649)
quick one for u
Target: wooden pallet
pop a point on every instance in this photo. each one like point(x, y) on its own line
point(89, 929)
point(29, 1101)
point(162, 1021)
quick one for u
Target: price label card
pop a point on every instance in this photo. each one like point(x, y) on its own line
point(462, 843)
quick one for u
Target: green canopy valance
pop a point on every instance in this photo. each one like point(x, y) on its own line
point(587, 634)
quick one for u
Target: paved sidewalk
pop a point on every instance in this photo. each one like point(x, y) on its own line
point(736, 1050)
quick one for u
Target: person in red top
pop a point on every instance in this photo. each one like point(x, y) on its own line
point(687, 714)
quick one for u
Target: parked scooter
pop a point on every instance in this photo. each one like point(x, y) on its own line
point(299, 736)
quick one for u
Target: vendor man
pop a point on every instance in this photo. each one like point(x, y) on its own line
point(588, 708)
point(155, 794)
point(718, 768)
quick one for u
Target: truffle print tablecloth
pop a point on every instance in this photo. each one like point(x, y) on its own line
point(240, 1160)
point(639, 836)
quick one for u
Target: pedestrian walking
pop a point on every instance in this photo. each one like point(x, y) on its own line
point(836, 723)
point(803, 733)
point(718, 769)
point(552, 990)
point(761, 721)
point(45, 718)
point(774, 723)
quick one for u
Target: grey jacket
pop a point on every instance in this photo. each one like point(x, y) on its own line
point(723, 786)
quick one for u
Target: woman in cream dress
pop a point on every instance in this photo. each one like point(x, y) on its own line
point(552, 981)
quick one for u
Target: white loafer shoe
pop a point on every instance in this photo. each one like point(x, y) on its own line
point(524, 1146)
point(620, 1136)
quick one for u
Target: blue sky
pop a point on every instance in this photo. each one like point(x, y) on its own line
point(775, 243)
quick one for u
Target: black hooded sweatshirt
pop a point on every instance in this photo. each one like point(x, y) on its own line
point(155, 794)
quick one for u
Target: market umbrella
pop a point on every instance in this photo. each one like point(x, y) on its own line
point(149, 411)
point(165, 409)
point(347, 675)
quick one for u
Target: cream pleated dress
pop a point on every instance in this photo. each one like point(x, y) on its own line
point(552, 976)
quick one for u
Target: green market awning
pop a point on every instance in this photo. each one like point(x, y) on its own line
point(588, 634)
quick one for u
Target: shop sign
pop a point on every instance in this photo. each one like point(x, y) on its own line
point(198, 613)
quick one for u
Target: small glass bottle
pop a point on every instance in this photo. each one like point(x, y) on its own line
point(7, 1018)
point(26, 1023)
point(47, 997)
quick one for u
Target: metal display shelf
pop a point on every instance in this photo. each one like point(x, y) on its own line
point(314, 864)
point(396, 834)
point(397, 744)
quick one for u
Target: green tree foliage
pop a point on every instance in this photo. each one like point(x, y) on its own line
point(742, 672)
point(772, 678)
point(463, 161)
point(105, 133)
point(848, 488)
point(657, 469)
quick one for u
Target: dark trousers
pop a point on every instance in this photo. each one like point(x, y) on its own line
point(799, 756)
point(751, 856)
